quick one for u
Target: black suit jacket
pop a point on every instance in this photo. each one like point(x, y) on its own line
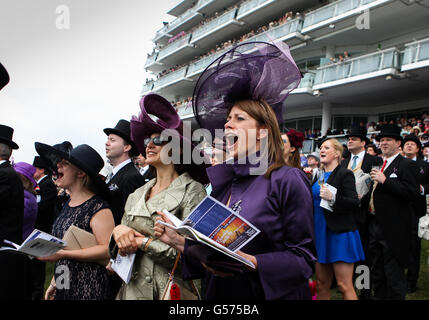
point(11, 204)
point(392, 204)
point(123, 183)
point(342, 218)
point(368, 161)
point(422, 168)
point(47, 204)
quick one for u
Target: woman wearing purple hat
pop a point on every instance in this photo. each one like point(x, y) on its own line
point(26, 172)
point(247, 87)
point(177, 187)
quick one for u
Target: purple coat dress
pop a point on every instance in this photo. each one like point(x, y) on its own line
point(281, 207)
point(30, 214)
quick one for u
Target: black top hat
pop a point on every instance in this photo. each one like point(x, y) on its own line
point(389, 130)
point(84, 157)
point(415, 139)
point(359, 132)
point(43, 163)
point(123, 130)
point(4, 77)
point(6, 134)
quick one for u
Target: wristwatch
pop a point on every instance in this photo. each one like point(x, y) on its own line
point(145, 240)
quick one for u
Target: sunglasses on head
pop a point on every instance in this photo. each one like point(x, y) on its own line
point(155, 140)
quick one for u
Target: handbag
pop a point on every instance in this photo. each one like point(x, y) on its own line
point(173, 291)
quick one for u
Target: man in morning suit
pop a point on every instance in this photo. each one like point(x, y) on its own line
point(395, 188)
point(122, 181)
point(359, 159)
point(412, 148)
point(13, 266)
point(46, 202)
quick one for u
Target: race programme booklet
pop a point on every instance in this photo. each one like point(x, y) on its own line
point(217, 226)
point(37, 244)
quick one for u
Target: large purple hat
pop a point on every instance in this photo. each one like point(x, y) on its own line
point(156, 115)
point(252, 70)
point(164, 116)
point(26, 170)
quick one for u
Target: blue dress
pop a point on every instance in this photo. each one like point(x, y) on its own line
point(332, 246)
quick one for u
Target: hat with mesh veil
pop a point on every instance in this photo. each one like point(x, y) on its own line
point(252, 70)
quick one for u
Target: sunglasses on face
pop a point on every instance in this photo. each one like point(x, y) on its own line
point(155, 140)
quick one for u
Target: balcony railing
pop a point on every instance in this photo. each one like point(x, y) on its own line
point(151, 59)
point(185, 110)
point(147, 87)
point(307, 81)
point(333, 10)
point(171, 77)
point(202, 3)
point(251, 5)
point(174, 46)
point(279, 32)
point(176, 22)
point(416, 52)
point(228, 16)
point(373, 62)
point(203, 63)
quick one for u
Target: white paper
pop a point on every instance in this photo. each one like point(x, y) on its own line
point(37, 244)
point(123, 266)
point(324, 203)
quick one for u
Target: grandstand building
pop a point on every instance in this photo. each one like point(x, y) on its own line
point(361, 60)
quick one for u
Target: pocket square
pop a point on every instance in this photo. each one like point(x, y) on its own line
point(393, 175)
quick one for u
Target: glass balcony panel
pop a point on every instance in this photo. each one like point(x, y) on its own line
point(174, 46)
point(320, 15)
point(390, 60)
point(363, 2)
point(147, 87)
point(307, 81)
point(366, 65)
point(249, 5)
point(424, 51)
point(214, 24)
point(409, 54)
point(345, 6)
point(171, 77)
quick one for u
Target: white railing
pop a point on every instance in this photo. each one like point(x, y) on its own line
point(151, 59)
point(226, 17)
point(369, 63)
point(279, 32)
point(250, 5)
point(147, 88)
point(203, 63)
point(307, 81)
point(416, 52)
point(176, 22)
point(332, 10)
point(170, 78)
point(174, 46)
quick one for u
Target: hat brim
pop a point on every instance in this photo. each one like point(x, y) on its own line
point(363, 138)
point(55, 156)
point(10, 143)
point(394, 136)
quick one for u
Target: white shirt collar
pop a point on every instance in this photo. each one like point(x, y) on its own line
point(38, 181)
point(390, 160)
point(120, 166)
point(2, 161)
point(360, 156)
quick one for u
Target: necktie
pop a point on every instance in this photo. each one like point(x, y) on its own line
point(354, 162)
point(109, 176)
point(371, 201)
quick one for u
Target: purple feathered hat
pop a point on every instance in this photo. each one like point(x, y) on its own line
point(252, 70)
point(26, 170)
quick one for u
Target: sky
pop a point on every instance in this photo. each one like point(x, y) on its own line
point(76, 67)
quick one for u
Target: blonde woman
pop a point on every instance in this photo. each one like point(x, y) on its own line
point(338, 242)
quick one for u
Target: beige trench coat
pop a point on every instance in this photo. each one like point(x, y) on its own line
point(151, 268)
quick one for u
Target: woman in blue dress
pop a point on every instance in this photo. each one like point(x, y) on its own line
point(338, 243)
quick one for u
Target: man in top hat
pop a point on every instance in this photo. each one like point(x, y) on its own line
point(12, 265)
point(46, 205)
point(426, 152)
point(123, 180)
point(359, 159)
point(395, 187)
point(412, 149)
